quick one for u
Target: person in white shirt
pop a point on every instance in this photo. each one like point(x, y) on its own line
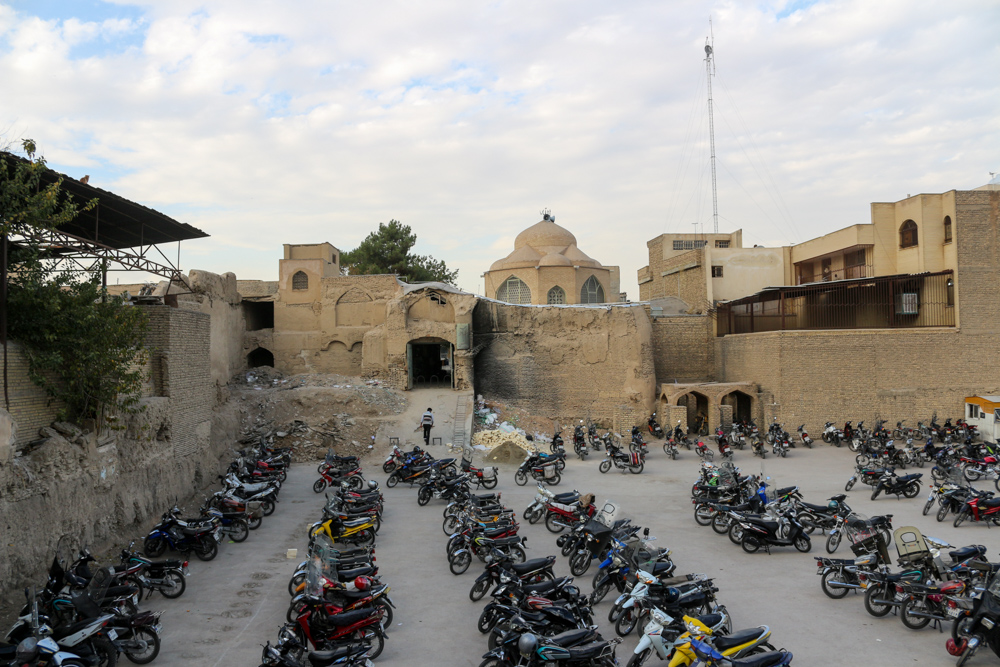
point(427, 421)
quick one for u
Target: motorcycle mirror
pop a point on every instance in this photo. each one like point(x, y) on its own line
point(645, 532)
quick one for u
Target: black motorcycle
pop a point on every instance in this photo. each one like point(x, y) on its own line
point(501, 569)
point(580, 443)
point(977, 626)
point(186, 537)
point(766, 533)
point(654, 426)
point(633, 462)
point(907, 485)
point(540, 469)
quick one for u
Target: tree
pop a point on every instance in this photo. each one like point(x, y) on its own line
point(388, 251)
point(84, 347)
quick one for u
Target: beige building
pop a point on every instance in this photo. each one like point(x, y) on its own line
point(547, 268)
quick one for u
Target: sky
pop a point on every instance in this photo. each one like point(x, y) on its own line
point(264, 122)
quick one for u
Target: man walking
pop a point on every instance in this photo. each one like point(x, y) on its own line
point(427, 421)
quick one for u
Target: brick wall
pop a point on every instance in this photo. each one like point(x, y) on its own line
point(179, 353)
point(566, 363)
point(683, 348)
point(30, 406)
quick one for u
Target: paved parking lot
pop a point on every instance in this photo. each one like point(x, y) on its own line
point(238, 601)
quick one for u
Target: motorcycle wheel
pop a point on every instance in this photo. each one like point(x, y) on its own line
point(808, 523)
point(802, 544)
point(673, 455)
point(450, 525)
point(107, 654)
point(970, 473)
point(479, 590)
point(282, 476)
point(943, 512)
point(579, 564)
point(636, 469)
point(295, 582)
point(961, 518)
point(750, 544)
point(554, 481)
point(626, 622)
point(912, 622)
point(912, 490)
point(387, 609)
point(854, 445)
point(783, 453)
point(736, 533)
point(356, 483)
point(208, 550)
point(875, 493)
point(319, 485)
point(874, 608)
point(568, 547)
point(962, 628)
point(850, 484)
point(517, 553)
point(152, 640)
point(175, 586)
point(927, 507)
point(388, 467)
point(487, 620)
point(240, 532)
point(560, 465)
point(424, 496)
point(720, 523)
point(616, 611)
point(255, 522)
point(536, 516)
point(154, 547)
point(365, 537)
point(520, 478)
point(833, 542)
point(831, 592)
point(378, 643)
point(460, 562)
point(489, 483)
point(600, 592)
point(133, 580)
point(552, 523)
point(703, 515)
point(638, 659)
point(392, 481)
point(267, 507)
point(605, 466)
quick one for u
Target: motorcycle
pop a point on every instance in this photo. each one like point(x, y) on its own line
point(637, 444)
point(804, 437)
point(786, 531)
point(704, 452)
point(907, 485)
point(502, 569)
point(201, 539)
point(580, 442)
point(543, 471)
point(977, 626)
point(623, 461)
point(670, 449)
point(832, 435)
point(654, 426)
point(481, 477)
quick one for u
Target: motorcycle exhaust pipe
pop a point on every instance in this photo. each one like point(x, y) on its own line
point(841, 584)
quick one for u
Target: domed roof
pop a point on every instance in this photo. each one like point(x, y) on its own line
point(580, 258)
point(521, 258)
point(555, 259)
point(545, 234)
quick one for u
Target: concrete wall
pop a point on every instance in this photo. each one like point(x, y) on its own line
point(566, 363)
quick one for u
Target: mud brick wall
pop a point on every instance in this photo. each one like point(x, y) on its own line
point(30, 406)
point(683, 348)
point(566, 363)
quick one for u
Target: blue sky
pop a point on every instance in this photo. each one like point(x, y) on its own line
point(266, 123)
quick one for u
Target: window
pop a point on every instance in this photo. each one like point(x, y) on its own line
point(592, 292)
point(689, 245)
point(716, 271)
point(514, 290)
point(908, 234)
point(951, 291)
point(827, 265)
point(557, 295)
point(856, 258)
point(947, 229)
point(722, 244)
point(300, 280)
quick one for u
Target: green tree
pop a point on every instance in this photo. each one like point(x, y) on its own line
point(84, 347)
point(388, 251)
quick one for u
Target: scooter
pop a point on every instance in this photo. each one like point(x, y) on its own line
point(654, 426)
point(784, 532)
point(806, 440)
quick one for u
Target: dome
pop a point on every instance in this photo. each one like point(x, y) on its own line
point(554, 259)
point(521, 258)
point(580, 258)
point(545, 234)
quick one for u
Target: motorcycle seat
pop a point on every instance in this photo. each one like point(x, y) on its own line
point(506, 541)
point(496, 532)
point(786, 490)
point(529, 565)
point(350, 617)
point(345, 575)
point(763, 659)
point(661, 568)
point(543, 587)
point(902, 576)
point(324, 658)
point(351, 523)
point(587, 651)
point(567, 497)
point(990, 502)
point(353, 595)
point(912, 476)
point(7, 652)
point(571, 637)
point(819, 509)
point(710, 620)
point(724, 642)
point(71, 629)
point(967, 552)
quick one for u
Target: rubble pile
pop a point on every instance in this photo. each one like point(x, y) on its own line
point(489, 440)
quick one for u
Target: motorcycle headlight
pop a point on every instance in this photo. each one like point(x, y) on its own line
point(27, 650)
point(987, 623)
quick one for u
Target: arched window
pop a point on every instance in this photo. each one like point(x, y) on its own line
point(300, 280)
point(513, 290)
point(908, 234)
point(592, 292)
point(947, 229)
point(557, 295)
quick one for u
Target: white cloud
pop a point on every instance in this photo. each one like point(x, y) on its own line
point(264, 126)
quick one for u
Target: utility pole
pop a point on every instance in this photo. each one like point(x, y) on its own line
point(710, 71)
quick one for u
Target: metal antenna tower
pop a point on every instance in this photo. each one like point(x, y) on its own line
point(710, 70)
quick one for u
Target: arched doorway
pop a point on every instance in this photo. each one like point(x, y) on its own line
point(697, 410)
point(260, 357)
point(742, 405)
point(430, 362)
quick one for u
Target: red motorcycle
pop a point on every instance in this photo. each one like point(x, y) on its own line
point(559, 516)
point(328, 475)
point(979, 509)
point(324, 631)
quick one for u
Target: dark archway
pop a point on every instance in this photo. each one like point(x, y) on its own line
point(260, 357)
point(742, 405)
point(697, 410)
point(430, 363)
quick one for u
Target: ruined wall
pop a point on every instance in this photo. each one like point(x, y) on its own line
point(30, 407)
point(218, 297)
point(566, 363)
point(109, 488)
point(683, 348)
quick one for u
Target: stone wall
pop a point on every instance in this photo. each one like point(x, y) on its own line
point(566, 363)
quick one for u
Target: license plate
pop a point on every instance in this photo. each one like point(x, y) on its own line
point(819, 570)
point(158, 628)
point(187, 573)
point(930, 497)
point(112, 635)
point(952, 613)
point(218, 536)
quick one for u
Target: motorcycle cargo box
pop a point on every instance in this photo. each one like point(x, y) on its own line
point(910, 544)
point(874, 544)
